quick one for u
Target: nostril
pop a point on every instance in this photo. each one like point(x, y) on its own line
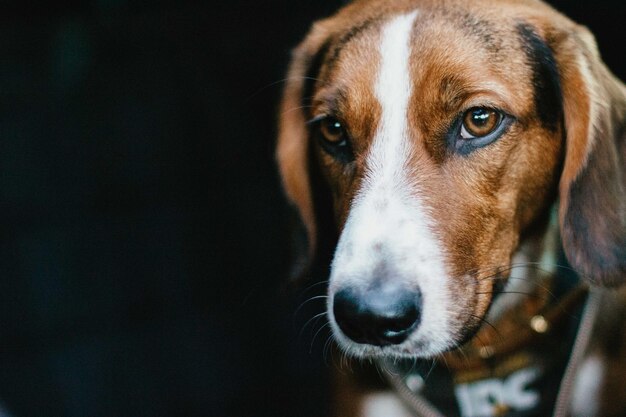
point(380, 316)
point(347, 309)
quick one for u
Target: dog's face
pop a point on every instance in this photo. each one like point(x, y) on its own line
point(438, 132)
point(423, 124)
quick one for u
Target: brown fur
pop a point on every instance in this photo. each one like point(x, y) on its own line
point(488, 205)
point(485, 203)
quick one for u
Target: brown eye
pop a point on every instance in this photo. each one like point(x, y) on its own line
point(479, 122)
point(332, 130)
point(333, 138)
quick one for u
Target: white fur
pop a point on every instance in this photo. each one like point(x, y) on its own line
point(587, 386)
point(383, 404)
point(388, 231)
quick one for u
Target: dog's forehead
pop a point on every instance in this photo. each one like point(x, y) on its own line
point(464, 45)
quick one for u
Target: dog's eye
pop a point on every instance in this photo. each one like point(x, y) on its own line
point(479, 122)
point(478, 127)
point(334, 139)
point(333, 131)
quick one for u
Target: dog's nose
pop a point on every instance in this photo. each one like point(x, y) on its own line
point(381, 316)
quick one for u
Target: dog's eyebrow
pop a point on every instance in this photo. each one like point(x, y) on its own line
point(316, 119)
point(546, 80)
point(328, 104)
point(312, 73)
point(452, 90)
point(333, 55)
point(482, 30)
point(327, 57)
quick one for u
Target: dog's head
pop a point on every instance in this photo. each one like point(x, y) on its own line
point(437, 134)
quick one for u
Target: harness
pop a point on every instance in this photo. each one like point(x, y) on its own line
point(524, 368)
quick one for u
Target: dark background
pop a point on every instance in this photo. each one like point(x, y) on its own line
point(143, 237)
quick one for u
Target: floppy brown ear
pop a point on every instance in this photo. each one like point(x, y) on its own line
point(293, 147)
point(592, 192)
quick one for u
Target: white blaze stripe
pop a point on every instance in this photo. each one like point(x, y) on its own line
point(388, 229)
point(393, 90)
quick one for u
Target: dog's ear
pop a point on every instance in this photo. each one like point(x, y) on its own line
point(592, 192)
point(296, 164)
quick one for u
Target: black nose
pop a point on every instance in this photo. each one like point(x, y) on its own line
point(383, 315)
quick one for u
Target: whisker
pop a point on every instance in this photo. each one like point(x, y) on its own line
point(432, 367)
point(538, 266)
point(497, 270)
point(443, 358)
point(332, 361)
point(503, 292)
point(317, 316)
point(482, 342)
point(295, 109)
point(317, 297)
point(345, 365)
point(498, 277)
point(381, 370)
point(539, 283)
point(482, 320)
point(346, 362)
point(327, 349)
point(278, 82)
point(316, 333)
point(310, 287)
point(498, 273)
point(462, 351)
point(413, 367)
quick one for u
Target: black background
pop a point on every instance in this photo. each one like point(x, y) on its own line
point(143, 237)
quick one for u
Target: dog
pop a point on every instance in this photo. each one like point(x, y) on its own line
point(453, 164)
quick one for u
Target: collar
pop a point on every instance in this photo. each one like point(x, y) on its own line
point(524, 325)
point(523, 368)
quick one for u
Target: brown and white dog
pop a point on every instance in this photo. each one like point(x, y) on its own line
point(425, 144)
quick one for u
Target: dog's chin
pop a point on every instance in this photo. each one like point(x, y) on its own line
point(410, 349)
